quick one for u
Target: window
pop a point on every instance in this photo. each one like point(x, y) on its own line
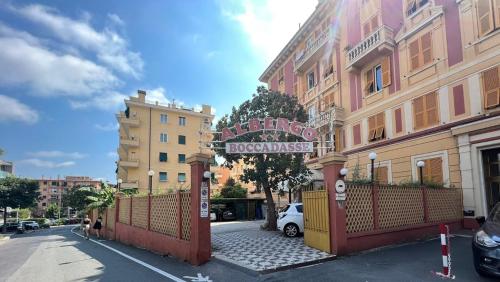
point(45, 183)
point(376, 127)
point(163, 176)
point(378, 77)
point(309, 42)
point(182, 121)
point(414, 5)
point(381, 175)
point(281, 76)
point(311, 113)
point(356, 131)
point(433, 170)
point(181, 177)
point(54, 183)
point(399, 120)
point(163, 157)
point(370, 26)
point(163, 137)
point(182, 139)
point(182, 158)
point(44, 204)
point(299, 208)
point(310, 80)
point(420, 51)
point(327, 67)
point(488, 13)
point(54, 191)
point(491, 87)
point(163, 118)
point(425, 111)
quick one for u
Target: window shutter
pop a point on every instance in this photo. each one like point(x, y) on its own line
point(496, 8)
point(366, 29)
point(399, 120)
point(414, 54)
point(426, 48)
point(436, 170)
point(374, 22)
point(491, 87)
point(386, 71)
point(431, 109)
point(418, 109)
point(372, 127)
point(458, 100)
point(369, 81)
point(485, 15)
point(382, 174)
point(380, 126)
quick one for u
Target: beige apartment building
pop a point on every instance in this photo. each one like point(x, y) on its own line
point(159, 138)
point(412, 80)
point(52, 189)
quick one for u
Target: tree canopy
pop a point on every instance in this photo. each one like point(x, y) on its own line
point(233, 190)
point(76, 198)
point(265, 170)
point(17, 192)
point(52, 211)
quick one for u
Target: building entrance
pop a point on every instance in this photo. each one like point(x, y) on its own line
point(491, 164)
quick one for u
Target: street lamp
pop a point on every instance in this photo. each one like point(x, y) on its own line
point(119, 183)
point(151, 173)
point(420, 165)
point(372, 156)
point(343, 172)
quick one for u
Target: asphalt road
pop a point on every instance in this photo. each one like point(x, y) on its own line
point(59, 255)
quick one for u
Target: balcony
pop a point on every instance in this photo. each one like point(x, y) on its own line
point(127, 122)
point(126, 163)
point(381, 42)
point(306, 57)
point(129, 184)
point(334, 116)
point(129, 142)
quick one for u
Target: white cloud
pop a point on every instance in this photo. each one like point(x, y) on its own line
point(116, 19)
point(209, 55)
point(47, 164)
point(107, 127)
point(13, 110)
point(107, 101)
point(110, 47)
point(269, 24)
point(113, 155)
point(24, 60)
point(157, 95)
point(57, 154)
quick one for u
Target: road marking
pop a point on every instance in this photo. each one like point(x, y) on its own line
point(199, 278)
point(157, 270)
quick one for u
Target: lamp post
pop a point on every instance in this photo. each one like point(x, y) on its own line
point(372, 156)
point(343, 172)
point(151, 173)
point(119, 183)
point(420, 165)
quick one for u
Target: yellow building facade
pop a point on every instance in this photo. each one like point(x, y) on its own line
point(159, 138)
point(412, 80)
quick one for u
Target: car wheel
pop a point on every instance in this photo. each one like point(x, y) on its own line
point(291, 230)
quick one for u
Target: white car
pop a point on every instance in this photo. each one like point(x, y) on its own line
point(291, 220)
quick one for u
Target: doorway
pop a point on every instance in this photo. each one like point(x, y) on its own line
point(491, 164)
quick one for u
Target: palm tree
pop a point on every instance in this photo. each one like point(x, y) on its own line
point(100, 199)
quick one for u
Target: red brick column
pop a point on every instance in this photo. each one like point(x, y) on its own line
point(332, 164)
point(200, 244)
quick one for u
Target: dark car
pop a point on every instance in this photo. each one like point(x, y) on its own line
point(228, 215)
point(11, 226)
point(486, 244)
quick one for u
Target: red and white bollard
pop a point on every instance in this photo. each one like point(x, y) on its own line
point(445, 251)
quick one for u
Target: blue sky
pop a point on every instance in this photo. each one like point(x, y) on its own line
point(67, 66)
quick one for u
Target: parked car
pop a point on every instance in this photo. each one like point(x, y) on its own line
point(486, 244)
point(11, 226)
point(213, 215)
point(228, 215)
point(291, 220)
point(28, 225)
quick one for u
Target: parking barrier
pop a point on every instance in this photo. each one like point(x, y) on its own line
point(445, 251)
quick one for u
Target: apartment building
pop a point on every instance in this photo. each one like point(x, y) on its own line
point(52, 189)
point(412, 80)
point(159, 138)
point(6, 168)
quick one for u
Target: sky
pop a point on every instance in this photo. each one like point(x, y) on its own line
point(67, 66)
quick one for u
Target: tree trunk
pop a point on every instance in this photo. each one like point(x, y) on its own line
point(4, 228)
point(271, 207)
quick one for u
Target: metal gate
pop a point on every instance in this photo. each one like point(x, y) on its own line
point(316, 219)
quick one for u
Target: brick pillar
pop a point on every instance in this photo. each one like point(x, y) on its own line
point(200, 244)
point(332, 164)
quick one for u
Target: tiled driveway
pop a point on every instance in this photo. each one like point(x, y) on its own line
point(244, 244)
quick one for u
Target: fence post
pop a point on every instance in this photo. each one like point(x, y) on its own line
point(130, 211)
point(117, 210)
point(425, 204)
point(149, 212)
point(332, 164)
point(376, 212)
point(200, 244)
point(179, 214)
point(106, 224)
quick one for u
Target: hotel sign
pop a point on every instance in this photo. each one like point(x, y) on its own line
point(271, 129)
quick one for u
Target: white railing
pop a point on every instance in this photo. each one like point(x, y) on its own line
point(327, 117)
point(304, 54)
point(373, 40)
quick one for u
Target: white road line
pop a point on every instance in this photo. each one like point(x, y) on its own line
point(157, 270)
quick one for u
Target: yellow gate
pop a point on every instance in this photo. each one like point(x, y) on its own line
point(316, 219)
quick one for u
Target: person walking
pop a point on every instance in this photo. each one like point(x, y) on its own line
point(86, 226)
point(97, 227)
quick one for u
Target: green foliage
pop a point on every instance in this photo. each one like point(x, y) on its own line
point(230, 182)
point(24, 213)
point(76, 198)
point(17, 192)
point(130, 191)
point(414, 183)
point(100, 199)
point(265, 170)
point(52, 211)
point(235, 191)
